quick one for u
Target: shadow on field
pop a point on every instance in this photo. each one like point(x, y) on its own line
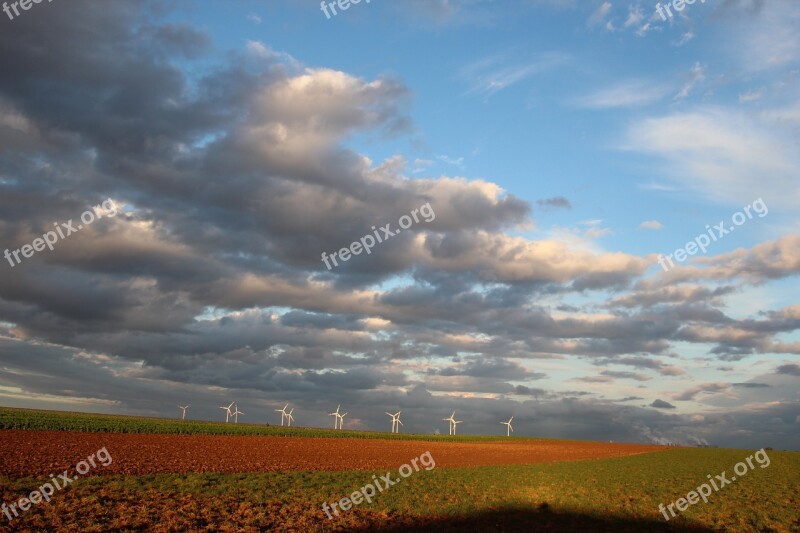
point(540, 519)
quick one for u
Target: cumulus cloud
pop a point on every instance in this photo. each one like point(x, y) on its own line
point(233, 177)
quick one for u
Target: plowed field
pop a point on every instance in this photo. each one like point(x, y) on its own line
point(39, 453)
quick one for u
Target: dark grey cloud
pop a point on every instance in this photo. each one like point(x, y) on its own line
point(661, 404)
point(624, 375)
point(790, 370)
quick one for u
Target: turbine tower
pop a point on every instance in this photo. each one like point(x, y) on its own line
point(450, 420)
point(283, 413)
point(338, 420)
point(510, 429)
point(184, 408)
point(396, 423)
point(228, 412)
point(289, 417)
point(236, 414)
point(453, 423)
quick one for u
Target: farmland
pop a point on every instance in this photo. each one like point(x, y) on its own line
point(516, 484)
point(32, 419)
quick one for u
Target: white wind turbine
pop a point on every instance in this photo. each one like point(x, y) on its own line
point(510, 429)
point(289, 417)
point(236, 414)
point(184, 408)
point(396, 423)
point(336, 417)
point(453, 423)
point(338, 422)
point(228, 412)
point(283, 413)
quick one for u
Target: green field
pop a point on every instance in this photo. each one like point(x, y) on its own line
point(621, 494)
point(13, 418)
point(609, 494)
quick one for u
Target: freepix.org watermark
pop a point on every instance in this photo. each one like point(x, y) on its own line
point(24, 4)
point(56, 483)
point(368, 242)
point(344, 5)
point(704, 490)
point(367, 492)
point(715, 233)
point(64, 230)
point(679, 6)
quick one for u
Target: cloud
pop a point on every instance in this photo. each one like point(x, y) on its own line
point(493, 74)
point(766, 36)
point(710, 388)
point(625, 375)
point(556, 202)
point(208, 285)
point(730, 157)
point(685, 38)
point(751, 96)
point(633, 93)
point(789, 370)
point(600, 14)
point(751, 385)
point(651, 224)
point(661, 404)
point(697, 76)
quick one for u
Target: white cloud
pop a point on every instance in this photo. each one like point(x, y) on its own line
point(628, 94)
point(635, 16)
point(600, 14)
point(651, 224)
point(732, 157)
point(697, 75)
point(751, 96)
point(493, 74)
point(770, 36)
point(685, 38)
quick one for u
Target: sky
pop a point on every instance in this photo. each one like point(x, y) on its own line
point(601, 234)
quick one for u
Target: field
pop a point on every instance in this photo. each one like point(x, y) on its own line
point(214, 482)
point(33, 419)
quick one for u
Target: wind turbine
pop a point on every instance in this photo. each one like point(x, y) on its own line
point(184, 408)
point(289, 417)
point(283, 413)
point(338, 422)
point(228, 412)
point(450, 420)
point(453, 423)
point(510, 429)
point(236, 414)
point(396, 423)
point(336, 419)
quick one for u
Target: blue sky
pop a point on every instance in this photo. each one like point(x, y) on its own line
point(539, 98)
point(564, 145)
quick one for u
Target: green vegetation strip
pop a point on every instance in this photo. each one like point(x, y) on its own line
point(32, 419)
point(766, 499)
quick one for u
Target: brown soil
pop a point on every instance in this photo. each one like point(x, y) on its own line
point(39, 453)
